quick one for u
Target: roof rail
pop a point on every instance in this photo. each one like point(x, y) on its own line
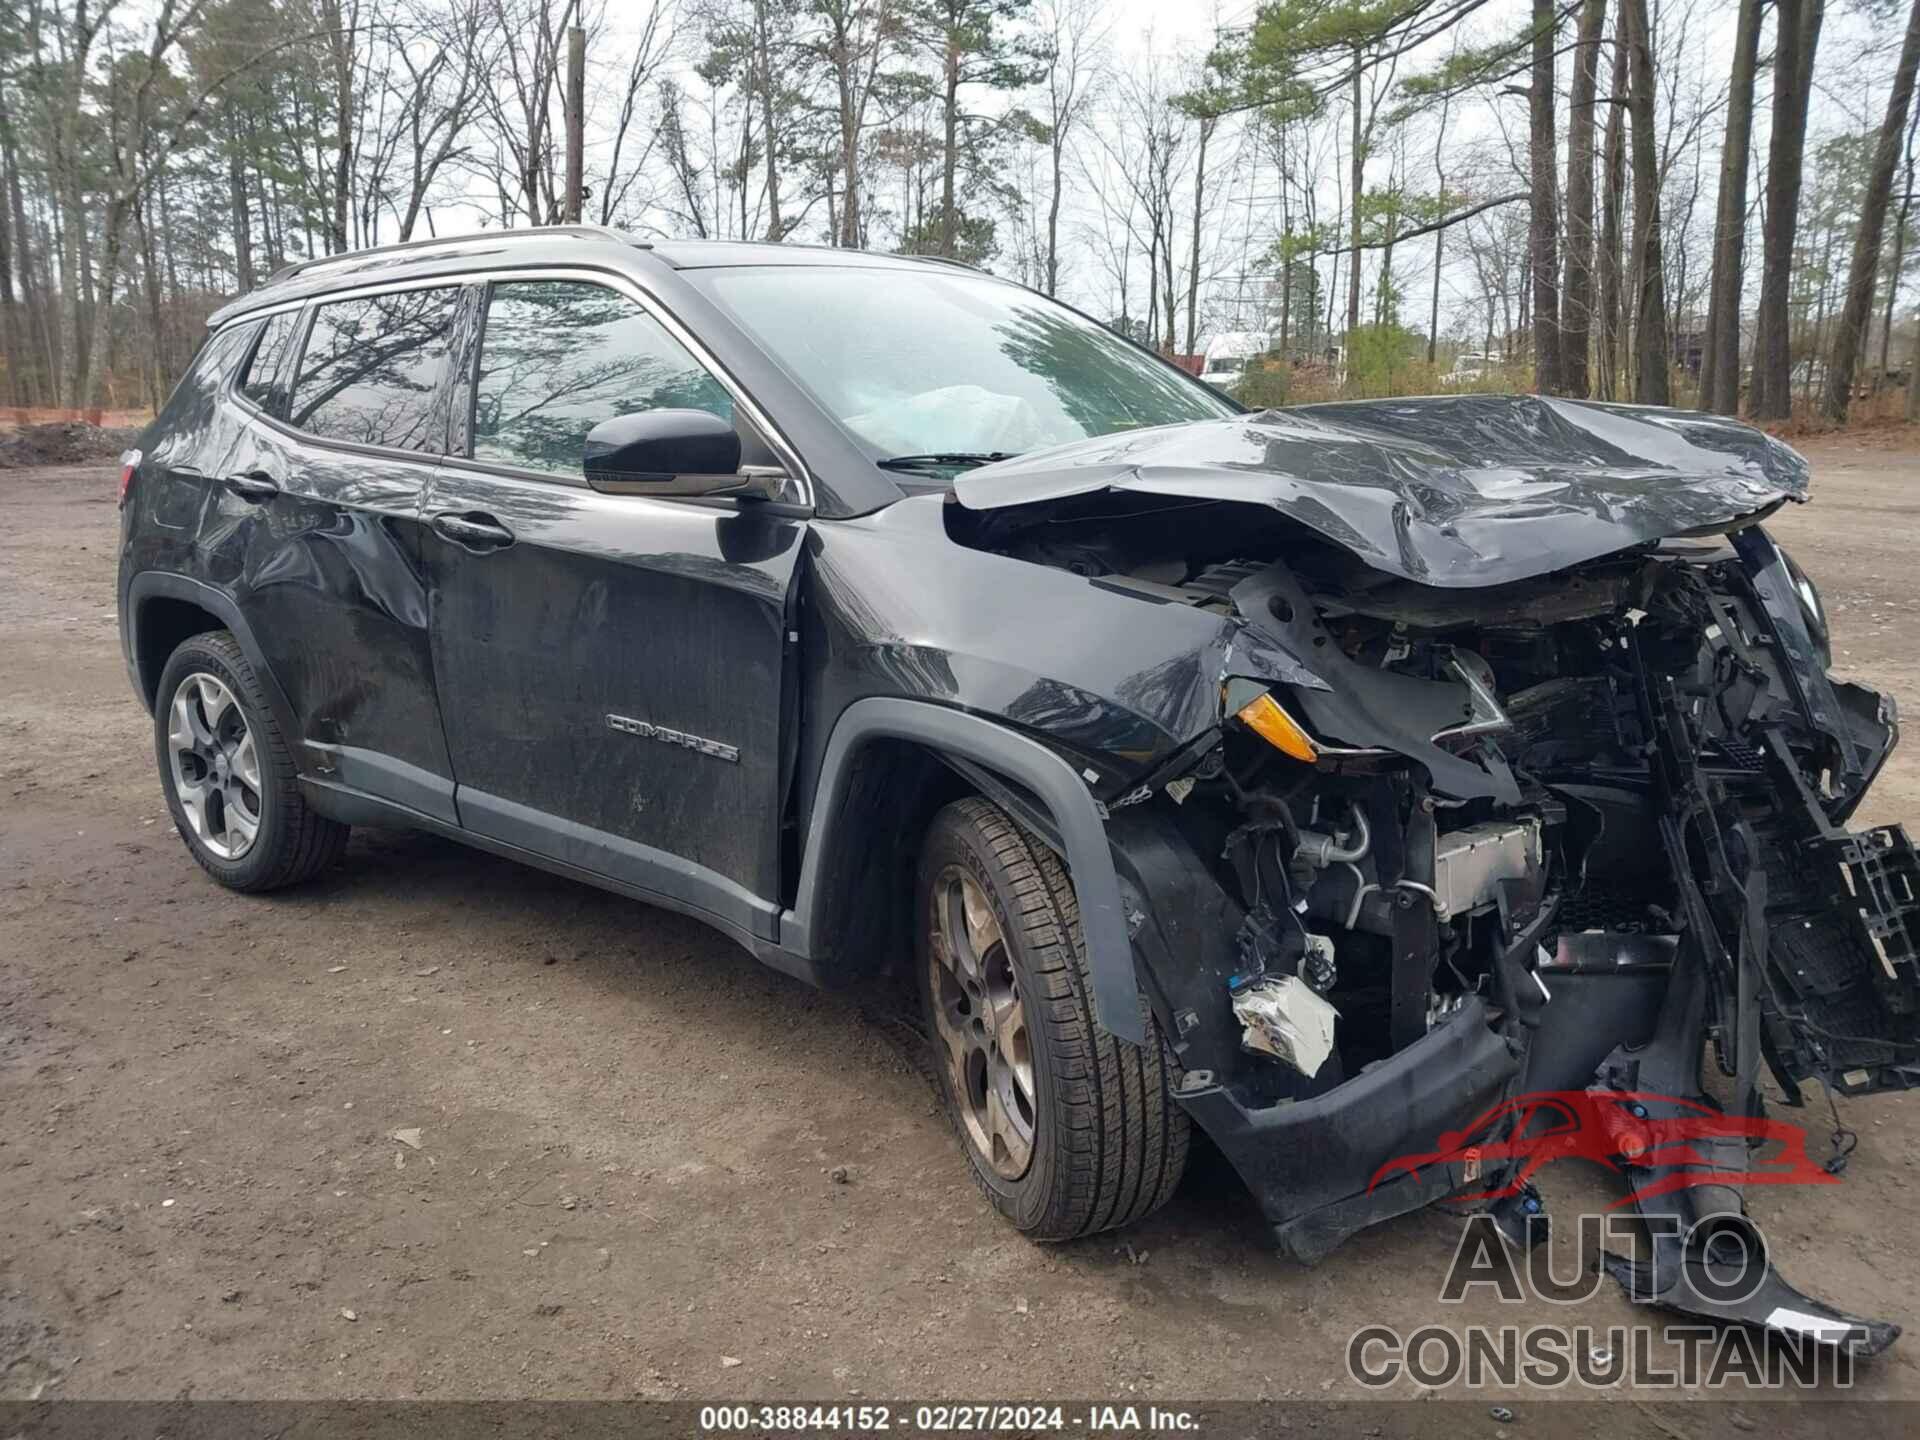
point(948, 260)
point(530, 232)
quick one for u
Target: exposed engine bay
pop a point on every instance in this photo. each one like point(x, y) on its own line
point(1544, 835)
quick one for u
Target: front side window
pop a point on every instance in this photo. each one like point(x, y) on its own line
point(260, 382)
point(914, 361)
point(372, 369)
point(557, 357)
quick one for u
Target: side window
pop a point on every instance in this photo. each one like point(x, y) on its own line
point(559, 356)
point(206, 378)
point(259, 382)
point(372, 369)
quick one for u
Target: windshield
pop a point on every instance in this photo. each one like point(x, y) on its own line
point(942, 365)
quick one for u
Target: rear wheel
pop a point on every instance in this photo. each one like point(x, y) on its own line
point(228, 774)
point(1065, 1128)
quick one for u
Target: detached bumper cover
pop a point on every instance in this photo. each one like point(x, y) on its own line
point(1309, 1162)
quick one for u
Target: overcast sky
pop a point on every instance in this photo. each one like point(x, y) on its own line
point(1855, 60)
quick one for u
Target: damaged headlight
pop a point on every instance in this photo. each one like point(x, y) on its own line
point(1268, 718)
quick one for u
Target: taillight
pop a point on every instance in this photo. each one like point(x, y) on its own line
point(129, 467)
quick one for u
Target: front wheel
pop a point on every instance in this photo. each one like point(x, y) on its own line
point(1065, 1128)
point(228, 774)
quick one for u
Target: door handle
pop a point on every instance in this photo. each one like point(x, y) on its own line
point(475, 531)
point(254, 486)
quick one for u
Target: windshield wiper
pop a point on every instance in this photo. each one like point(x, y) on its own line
point(946, 460)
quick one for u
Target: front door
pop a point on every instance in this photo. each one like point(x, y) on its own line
point(611, 667)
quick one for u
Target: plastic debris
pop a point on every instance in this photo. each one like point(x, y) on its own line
point(409, 1137)
point(1282, 1017)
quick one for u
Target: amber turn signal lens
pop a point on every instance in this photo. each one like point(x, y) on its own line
point(1265, 718)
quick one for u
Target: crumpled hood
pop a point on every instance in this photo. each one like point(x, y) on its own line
point(1456, 491)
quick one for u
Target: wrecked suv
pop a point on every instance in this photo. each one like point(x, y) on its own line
point(1322, 778)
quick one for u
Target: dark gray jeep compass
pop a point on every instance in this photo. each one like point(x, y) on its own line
point(1340, 780)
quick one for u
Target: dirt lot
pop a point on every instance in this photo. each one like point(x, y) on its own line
point(642, 1157)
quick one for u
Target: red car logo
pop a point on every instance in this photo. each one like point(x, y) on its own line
point(1617, 1129)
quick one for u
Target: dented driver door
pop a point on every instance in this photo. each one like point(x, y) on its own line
point(611, 667)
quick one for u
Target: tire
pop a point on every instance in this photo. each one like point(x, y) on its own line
point(211, 703)
point(1105, 1143)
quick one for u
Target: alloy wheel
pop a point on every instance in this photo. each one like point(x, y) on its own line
point(982, 1024)
point(215, 765)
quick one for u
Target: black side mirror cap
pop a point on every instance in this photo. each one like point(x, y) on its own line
point(668, 453)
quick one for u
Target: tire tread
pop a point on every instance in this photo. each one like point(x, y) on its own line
point(1121, 1137)
point(306, 842)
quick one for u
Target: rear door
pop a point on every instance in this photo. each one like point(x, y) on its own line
point(612, 667)
point(314, 529)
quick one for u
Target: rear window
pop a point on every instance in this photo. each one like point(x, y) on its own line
point(373, 368)
point(259, 382)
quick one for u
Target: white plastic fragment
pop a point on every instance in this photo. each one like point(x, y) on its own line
point(1282, 1016)
point(1816, 1326)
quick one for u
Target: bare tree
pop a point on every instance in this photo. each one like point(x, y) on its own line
point(1073, 36)
point(1896, 262)
point(139, 134)
point(1653, 384)
point(1851, 333)
point(688, 174)
point(340, 24)
point(1797, 38)
point(1544, 208)
point(855, 42)
point(437, 60)
point(1375, 64)
point(1612, 265)
point(60, 66)
point(1576, 307)
point(1205, 122)
point(1146, 147)
point(1720, 365)
point(518, 109)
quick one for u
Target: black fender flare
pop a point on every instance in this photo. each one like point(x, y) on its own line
point(160, 584)
point(959, 736)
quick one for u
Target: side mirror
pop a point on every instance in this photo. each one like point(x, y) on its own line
point(669, 453)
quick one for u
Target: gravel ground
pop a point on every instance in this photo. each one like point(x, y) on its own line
point(641, 1157)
